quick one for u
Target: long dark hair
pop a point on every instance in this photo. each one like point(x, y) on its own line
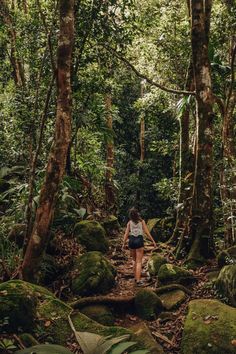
point(134, 215)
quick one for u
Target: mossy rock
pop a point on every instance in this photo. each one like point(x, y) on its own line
point(49, 270)
point(226, 283)
point(19, 298)
point(172, 299)
point(169, 273)
point(96, 275)
point(17, 233)
point(143, 332)
point(91, 235)
point(111, 224)
point(210, 327)
point(227, 257)
point(154, 263)
point(99, 313)
point(147, 304)
point(45, 349)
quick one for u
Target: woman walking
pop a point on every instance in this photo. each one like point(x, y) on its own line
point(135, 229)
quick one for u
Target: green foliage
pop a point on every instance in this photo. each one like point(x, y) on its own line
point(7, 344)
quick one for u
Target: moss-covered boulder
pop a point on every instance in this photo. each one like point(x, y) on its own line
point(95, 274)
point(99, 313)
point(111, 224)
point(45, 349)
point(227, 257)
point(91, 235)
point(154, 263)
point(17, 233)
point(143, 332)
point(19, 298)
point(226, 283)
point(169, 273)
point(210, 327)
point(147, 304)
point(172, 299)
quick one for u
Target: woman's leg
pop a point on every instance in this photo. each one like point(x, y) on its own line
point(139, 258)
point(133, 255)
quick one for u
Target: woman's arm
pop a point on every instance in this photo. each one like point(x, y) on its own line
point(126, 235)
point(146, 231)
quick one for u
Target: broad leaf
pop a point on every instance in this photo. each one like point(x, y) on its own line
point(121, 347)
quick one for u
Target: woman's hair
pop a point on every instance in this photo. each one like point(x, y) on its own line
point(134, 215)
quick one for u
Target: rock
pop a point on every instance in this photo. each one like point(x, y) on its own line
point(212, 275)
point(154, 263)
point(99, 313)
point(17, 233)
point(172, 299)
point(143, 332)
point(96, 275)
point(18, 299)
point(45, 349)
point(28, 340)
point(49, 270)
point(91, 235)
point(111, 224)
point(169, 273)
point(226, 283)
point(210, 327)
point(227, 257)
point(147, 304)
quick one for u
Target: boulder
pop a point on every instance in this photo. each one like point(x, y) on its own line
point(96, 275)
point(154, 263)
point(169, 273)
point(172, 299)
point(99, 313)
point(18, 299)
point(91, 235)
point(143, 332)
point(226, 283)
point(111, 224)
point(227, 257)
point(45, 349)
point(17, 233)
point(210, 327)
point(147, 304)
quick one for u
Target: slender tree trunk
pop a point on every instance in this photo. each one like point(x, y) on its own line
point(200, 244)
point(17, 67)
point(185, 168)
point(109, 185)
point(57, 158)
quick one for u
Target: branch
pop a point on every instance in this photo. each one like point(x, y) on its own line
point(142, 76)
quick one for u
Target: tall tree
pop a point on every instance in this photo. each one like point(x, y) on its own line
point(200, 245)
point(57, 158)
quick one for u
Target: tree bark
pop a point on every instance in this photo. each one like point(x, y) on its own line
point(57, 158)
point(200, 244)
point(109, 185)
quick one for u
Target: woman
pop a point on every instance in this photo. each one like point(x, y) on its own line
point(135, 230)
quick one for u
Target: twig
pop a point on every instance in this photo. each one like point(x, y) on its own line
point(161, 336)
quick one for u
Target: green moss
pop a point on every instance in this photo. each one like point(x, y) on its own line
point(91, 235)
point(154, 263)
point(111, 224)
point(99, 313)
point(226, 283)
point(172, 299)
point(143, 333)
point(227, 257)
point(96, 275)
point(210, 327)
point(169, 273)
point(147, 304)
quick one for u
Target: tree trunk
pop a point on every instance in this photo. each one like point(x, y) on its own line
point(57, 158)
point(200, 244)
point(109, 185)
point(185, 168)
point(17, 67)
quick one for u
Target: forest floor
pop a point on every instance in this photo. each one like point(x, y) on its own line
point(167, 331)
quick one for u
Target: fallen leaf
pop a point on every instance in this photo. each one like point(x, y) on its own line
point(233, 342)
point(47, 323)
